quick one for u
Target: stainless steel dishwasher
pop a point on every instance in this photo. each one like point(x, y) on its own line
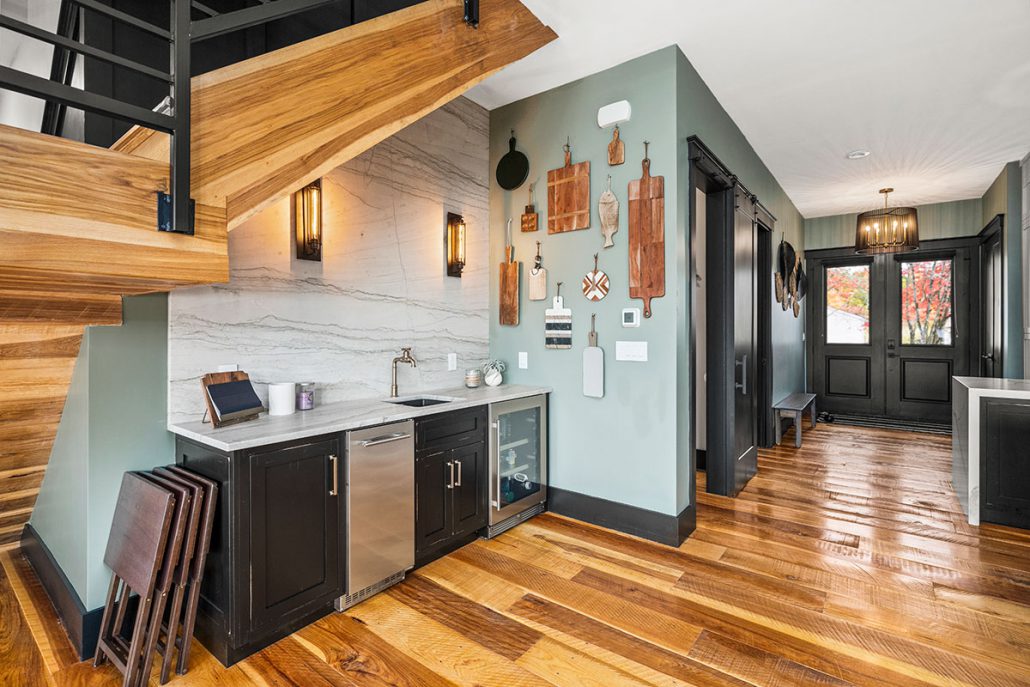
point(380, 513)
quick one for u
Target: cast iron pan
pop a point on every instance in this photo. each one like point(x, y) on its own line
point(513, 168)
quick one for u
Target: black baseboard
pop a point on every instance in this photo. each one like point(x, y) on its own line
point(670, 530)
point(83, 626)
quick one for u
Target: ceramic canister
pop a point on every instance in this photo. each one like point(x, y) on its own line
point(282, 398)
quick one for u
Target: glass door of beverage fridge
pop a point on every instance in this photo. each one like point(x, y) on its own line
point(518, 456)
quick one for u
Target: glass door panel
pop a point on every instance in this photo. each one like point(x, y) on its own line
point(520, 463)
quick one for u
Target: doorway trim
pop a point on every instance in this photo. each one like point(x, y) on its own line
point(996, 227)
point(708, 174)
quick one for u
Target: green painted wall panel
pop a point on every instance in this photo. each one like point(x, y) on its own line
point(949, 220)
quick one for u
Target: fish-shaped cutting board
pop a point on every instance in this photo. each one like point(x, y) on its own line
point(538, 278)
point(647, 236)
point(608, 212)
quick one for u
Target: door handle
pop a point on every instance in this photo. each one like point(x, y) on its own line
point(450, 482)
point(385, 439)
point(458, 483)
point(742, 385)
point(334, 462)
point(987, 356)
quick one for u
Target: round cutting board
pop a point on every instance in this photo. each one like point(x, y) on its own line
point(595, 283)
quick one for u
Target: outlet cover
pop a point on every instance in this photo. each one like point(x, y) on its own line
point(452, 361)
point(631, 351)
point(229, 368)
point(523, 360)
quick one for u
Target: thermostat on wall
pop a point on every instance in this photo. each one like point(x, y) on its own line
point(631, 317)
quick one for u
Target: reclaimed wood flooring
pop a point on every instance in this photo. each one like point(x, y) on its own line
point(847, 562)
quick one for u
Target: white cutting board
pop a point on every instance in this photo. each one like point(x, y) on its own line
point(537, 284)
point(593, 366)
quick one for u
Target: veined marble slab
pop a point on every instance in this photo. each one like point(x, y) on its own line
point(967, 394)
point(341, 417)
point(381, 285)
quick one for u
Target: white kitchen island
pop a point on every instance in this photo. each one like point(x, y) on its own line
point(968, 397)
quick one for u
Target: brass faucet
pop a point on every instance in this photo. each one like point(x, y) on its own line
point(404, 357)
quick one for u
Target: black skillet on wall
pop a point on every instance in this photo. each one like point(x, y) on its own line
point(513, 168)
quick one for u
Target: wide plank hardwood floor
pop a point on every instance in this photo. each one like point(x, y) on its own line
point(847, 562)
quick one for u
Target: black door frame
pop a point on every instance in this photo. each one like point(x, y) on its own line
point(814, 262)
point(708, 174)
point(993, 230)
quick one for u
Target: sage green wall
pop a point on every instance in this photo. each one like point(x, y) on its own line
point(113, 421)
point(953, 219)
point(1004, 197)
point(634, 446)
point(621, 447)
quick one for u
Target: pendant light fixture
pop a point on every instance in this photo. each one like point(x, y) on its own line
point(890, 230)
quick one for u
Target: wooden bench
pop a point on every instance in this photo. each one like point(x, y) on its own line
point(793, 407)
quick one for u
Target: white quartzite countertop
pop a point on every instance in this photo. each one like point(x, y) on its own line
point(341, 417)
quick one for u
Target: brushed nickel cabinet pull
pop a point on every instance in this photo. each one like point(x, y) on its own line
point(450, 483)
point(458, 483)
point(335, 462)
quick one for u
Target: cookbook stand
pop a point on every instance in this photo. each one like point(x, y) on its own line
point(221, 378)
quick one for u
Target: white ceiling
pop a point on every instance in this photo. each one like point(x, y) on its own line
point(937, 90)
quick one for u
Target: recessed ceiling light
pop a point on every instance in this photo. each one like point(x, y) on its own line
point(857, 154)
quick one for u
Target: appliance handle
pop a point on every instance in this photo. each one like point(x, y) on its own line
point(386, 439)
point(743, 383)
point(334, 461)
point(497, 462)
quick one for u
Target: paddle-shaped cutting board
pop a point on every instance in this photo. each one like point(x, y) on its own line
point(593, 365)
point(568, 196)
point(647, 237)
point(510, 272)
point(558, 324)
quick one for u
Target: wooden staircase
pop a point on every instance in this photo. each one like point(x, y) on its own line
point(77, 223)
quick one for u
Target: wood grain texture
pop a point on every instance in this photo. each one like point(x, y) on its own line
point(568, 197)
point(71, 212)
point(817, 574)
point(267, 126)
point(647, 237)
point(510, 278)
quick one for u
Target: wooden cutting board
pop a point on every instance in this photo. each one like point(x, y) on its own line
point(647, 237)
point(510, 273)
point(568, 196)
point(530, 218)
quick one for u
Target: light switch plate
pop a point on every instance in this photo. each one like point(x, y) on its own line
point(523, 360)
point(229, 368)
point(631, 351)
point(452, 361)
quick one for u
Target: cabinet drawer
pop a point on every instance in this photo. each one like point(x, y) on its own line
point(448, 430)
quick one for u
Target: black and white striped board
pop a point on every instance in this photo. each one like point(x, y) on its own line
point(558, 325)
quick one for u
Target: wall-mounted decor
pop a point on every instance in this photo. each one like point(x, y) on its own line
point(568, 196)
point(890, 230)
point(530, 218)
point(608, 212)
point(593, 364)
point(616, 149)
point(595, 283)
point(538, 278)
point(513, 168)
point(455, 244)
point(647, 236)
point(614, 114)
point(307, 221)
point(558, 323)
point(510, 273)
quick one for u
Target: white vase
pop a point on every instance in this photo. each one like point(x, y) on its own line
point(493, 378)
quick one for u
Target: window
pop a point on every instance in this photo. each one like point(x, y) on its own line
point(926, 303)
point(847, 304)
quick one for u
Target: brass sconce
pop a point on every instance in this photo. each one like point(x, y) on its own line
point(307, 216)
point(455, 244)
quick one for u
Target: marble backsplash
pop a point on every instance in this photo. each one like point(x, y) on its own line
point(381, 284)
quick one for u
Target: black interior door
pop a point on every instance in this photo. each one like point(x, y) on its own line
point(745, 431)
point(990, 303)
point(294, 525)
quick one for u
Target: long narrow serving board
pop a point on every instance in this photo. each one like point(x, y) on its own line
point(568, 196)
point(647, 237)
point(510, 288)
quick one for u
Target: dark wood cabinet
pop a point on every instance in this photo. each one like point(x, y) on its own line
point(451, 474)
point(1005, 462)
point(276, 561)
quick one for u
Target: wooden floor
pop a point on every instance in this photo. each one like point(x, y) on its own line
point(845, 562)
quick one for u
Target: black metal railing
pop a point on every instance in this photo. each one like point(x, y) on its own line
point(175, 208)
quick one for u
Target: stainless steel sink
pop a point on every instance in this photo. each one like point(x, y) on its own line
point(421, 401)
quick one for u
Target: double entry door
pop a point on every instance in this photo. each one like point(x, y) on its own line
point(888, 332)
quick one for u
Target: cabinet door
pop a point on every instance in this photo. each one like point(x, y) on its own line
point(1005, 462)
point(432, 499)
point(469, 493)
point(294, 525)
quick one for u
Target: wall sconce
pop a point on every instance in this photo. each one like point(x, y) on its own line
point(455, 244)
point(307, 217)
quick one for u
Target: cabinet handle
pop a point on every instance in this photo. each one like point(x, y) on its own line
point(335, 462)
point(450, 483)
point(458, 483)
